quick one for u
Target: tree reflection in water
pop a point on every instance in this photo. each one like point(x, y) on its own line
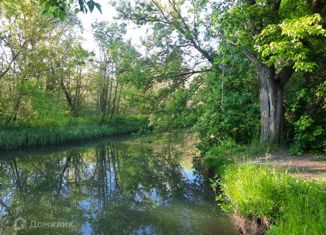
point(109, 188)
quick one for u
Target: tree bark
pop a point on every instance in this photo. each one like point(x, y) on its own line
point(111, 87)
point(104, 94)
point(270, 127)
point(114, 100)
point(271, 102)
point(68, 96)
point(119, 98)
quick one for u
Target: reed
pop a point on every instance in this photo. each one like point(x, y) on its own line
point(24, 135)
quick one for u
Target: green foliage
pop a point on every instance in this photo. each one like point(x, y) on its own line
point(169, 83)
point(306, 114)
point(220, 157)
point(227, 103)
point(308, 136)
point(281, 34)
point(293, 206)
point(284, 44)
point(74, 129)
point(49, 84)
point(46, 108)
point(60, 8)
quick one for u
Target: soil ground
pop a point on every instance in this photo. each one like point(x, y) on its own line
point(307, 167)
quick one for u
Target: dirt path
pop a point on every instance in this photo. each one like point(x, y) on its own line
point(305, 167)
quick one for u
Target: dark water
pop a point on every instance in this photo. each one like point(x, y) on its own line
point(111, 187)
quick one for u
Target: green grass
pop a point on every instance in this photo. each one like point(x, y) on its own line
point(26, 135)
point(220, 156)
point(293, 206)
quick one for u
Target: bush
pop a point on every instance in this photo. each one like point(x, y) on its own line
point(220, 156)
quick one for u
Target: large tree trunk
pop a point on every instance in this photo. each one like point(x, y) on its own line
point(271, 86)
point(271, 105)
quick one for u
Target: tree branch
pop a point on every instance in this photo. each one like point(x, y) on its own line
point(284, 75)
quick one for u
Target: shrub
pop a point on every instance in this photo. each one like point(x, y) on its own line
point(219, 157)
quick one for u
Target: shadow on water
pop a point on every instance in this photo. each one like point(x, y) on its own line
point(111, 187)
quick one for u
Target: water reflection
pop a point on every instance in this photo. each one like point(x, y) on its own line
point(115, 187)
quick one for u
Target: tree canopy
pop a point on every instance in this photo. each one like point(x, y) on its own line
point(243, 70)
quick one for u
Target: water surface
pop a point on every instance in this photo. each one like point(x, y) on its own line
point(124, 186)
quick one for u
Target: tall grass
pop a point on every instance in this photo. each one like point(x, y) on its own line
point(292, 205)
point(75, 129)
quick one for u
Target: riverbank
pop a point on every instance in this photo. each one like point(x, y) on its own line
point(77, 129)
point(264, 199)
point(307, 167)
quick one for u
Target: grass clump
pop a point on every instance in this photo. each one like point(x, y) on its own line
point(292, 205)
point(228, 153)
point(75, 129)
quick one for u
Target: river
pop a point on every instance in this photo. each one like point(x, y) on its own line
point(112, 186)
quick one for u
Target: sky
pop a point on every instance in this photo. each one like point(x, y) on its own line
point(134, 33)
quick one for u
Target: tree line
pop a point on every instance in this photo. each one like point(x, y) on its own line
point(258, 70)
point(239, 70)
point(48, 76)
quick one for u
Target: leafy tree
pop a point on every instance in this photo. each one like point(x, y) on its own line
point(278, 44)
point(44, 62)
point(60, 8)
point(279, 39)
point(117, 61)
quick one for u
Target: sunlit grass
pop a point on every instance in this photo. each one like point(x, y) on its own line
point(292, 205)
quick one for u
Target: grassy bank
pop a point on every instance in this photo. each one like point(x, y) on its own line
point(292, 206)
point(76, 129)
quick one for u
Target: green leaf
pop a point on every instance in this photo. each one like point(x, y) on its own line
point(98, 6)
point(56, 12)
point(81, 5)
point(62, 15)
point(47, 6)
point(90, 5)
